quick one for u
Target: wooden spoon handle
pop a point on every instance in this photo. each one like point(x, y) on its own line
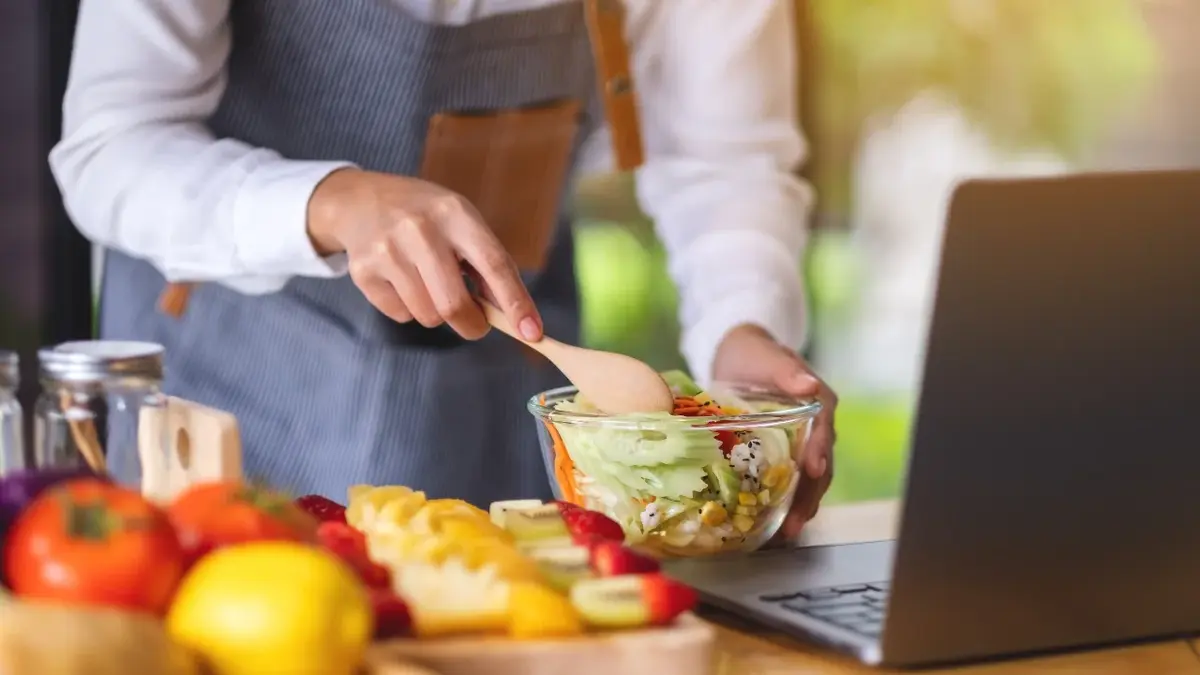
point(501, 323)
point(83, 432)
point(497, 319)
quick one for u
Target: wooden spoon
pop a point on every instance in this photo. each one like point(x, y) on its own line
point(614, 383)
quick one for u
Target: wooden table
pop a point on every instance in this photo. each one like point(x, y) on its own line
point(744, 649)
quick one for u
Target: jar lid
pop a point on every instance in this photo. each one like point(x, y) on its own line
point(10, 373)
point(96, 360)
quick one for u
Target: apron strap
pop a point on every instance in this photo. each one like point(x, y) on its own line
point(606, 28)
point(173, 301)
point(606, 31)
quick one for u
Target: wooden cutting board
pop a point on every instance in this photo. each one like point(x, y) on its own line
point(684, 648)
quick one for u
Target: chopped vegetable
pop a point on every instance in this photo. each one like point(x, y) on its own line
point(90, 542)
point(212, 515)
point(656, 478)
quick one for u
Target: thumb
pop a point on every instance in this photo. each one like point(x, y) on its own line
point(791, 376)
point(751, 355)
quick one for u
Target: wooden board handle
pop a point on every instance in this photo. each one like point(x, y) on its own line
point(185, 443)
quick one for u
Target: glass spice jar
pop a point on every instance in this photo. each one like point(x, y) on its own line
point(99, 407)
point(12, 440)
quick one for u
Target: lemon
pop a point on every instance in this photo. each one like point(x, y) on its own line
point(273, 607)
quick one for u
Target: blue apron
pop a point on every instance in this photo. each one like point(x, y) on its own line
point(328, 391)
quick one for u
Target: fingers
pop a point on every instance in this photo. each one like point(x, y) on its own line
point(380, 293)
point(407, 284)
point(393, 285)
point(816, 474)
point(442, 276)
point(819, 447)
point(501, 282)
point(793, 378)
point(809, 492)
point(416, 244)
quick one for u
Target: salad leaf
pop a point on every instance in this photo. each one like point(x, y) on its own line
point(681, 383)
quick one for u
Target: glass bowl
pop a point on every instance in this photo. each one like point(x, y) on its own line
point(717, 476)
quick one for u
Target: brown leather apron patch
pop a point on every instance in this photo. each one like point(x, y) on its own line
point(511, 165)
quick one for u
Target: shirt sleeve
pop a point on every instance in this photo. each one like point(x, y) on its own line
point(140, 171)
point(717, 84)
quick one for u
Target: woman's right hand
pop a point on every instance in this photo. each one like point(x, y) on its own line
point(406, 240)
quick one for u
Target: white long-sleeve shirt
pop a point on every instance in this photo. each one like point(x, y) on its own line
point(141, 173)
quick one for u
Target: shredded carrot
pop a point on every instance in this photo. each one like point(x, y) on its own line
point(564, 468)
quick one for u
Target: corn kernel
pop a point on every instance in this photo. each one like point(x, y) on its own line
point(746, 511)
point(743, 523)
point(776, 475)
point(712, 513)
point(747, 499)
point(764, 497)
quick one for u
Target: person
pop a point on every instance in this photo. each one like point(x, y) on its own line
point(297, 161)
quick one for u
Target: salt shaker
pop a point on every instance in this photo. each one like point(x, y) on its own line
point(97, 397)
point(12, 441)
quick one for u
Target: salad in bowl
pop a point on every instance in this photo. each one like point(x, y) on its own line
point(717, 474)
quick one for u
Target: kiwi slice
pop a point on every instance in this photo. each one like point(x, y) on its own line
point(498, 510)
point(611, 602)
point(543, 522)
point(563, 566)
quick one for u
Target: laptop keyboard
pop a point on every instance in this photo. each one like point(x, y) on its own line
point(855, 607)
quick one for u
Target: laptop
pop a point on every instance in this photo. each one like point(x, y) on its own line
point(1052, 495)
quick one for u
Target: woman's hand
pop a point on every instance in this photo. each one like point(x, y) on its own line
point(406, 240)
point(749, 355)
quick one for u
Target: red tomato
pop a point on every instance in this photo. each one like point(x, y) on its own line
point(727, 439)
point(90, 542)
point(212, 515)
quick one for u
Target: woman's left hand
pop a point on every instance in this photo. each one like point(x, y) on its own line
point(749, 355)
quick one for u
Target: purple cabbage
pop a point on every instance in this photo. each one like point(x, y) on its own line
point(19, 488)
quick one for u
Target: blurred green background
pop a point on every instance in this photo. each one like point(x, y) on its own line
point(1054, 76)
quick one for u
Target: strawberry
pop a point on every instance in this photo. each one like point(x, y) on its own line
point(392, 618)
point(666, 598)
point(323, 509)
point(584, 525)
point(610, 559)
point(350, 546)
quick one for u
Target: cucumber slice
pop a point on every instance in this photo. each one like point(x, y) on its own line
point(727, 483)
point(680, 382)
